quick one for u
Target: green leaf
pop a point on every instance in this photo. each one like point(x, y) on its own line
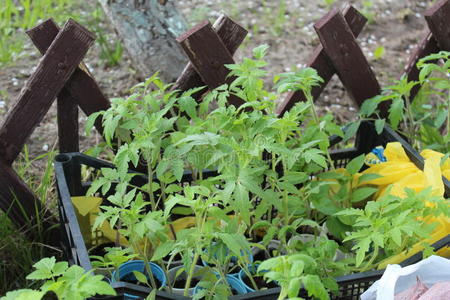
point(379, 125)
point(355, 165)
point(363, 246)
point(24, 294)
point(396, 236)
point(315, 287)
point(260, 51)
point(188, 105)
point(295, 177)
point(368, 177)
point(44, 269)
point(316, 156)
point(294, 287)
point(140, 277)
point(60, 268)
point(178, 169)
point(152, 295)
point(396, 112)
point(370, 105)
point(379, 52)
point(243, 205)
point(163, 250)
point(90, 122)
point(363, 193)
point(351, 130)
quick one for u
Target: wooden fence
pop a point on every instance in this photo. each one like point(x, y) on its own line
point(61, 74)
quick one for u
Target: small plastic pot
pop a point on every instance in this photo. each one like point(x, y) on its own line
point(225, 252)
point(242, 275)
point(125, 272)
point(263, 254)
point(171, 278)
point(237, 286)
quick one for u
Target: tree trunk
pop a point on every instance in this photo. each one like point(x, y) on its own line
point(148, 29)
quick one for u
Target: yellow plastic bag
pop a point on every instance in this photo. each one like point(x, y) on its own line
point(87, 209)
point(400, 173)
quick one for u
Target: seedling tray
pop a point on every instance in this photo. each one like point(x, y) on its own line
point(68, 176)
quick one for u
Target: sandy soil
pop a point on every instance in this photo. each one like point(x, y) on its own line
point(396, 25)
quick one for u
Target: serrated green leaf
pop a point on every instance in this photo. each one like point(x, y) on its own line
point(163, 250)
point(379, 125)
point(24, 294)
point(355, 165)
point(350, 131)
point(396, 236)
point(315, 287)
point(363, 193)
point(396, 112)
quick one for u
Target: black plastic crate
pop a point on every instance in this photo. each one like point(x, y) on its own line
point(69, 183)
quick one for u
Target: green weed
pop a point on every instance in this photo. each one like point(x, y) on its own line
point(17, 16)
point(17, 252)
point(110, 52)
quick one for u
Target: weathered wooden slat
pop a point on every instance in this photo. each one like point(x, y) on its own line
point(33, 102)
point(347, 57)
point(231, 34)
point(81, 86)
point(18, 201)
point(67, 115)
point(438, 19)
point(427, 46)
point(208, 56)
point(67, 108)
point(437, 16)
point(319, 61)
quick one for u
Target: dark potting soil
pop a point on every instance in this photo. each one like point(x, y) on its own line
point(181, 283)
point(260, 282)
point(100, 249)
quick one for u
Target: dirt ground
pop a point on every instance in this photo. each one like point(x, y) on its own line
point(396, 25)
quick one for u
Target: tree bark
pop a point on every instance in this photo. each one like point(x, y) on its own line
point(148, 31)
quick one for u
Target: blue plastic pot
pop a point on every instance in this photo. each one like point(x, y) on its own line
point(237, 286)
point(225, 252)
point(242, 275)
point(125, 272)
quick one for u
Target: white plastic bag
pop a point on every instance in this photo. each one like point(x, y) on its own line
point(397, 279)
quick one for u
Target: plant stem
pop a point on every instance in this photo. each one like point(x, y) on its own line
point(146, 264)
point(250, 277)
point(282, 295)
point(369, 264)
point(150, 181)
point(163, 267)
point(317, 120)
point(191, 274)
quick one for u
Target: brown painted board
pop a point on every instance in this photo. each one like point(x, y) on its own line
point(347, 57)
point(52, 72)
point(427, 46)
point(231, 34)
point(81, 86)
point(438, 19)
point(319, 61)
point(43, 35)
point(67, 117)
point(208, 55)
point(18, 201)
